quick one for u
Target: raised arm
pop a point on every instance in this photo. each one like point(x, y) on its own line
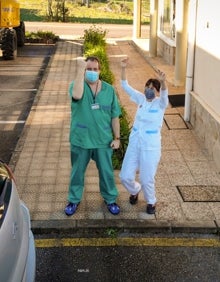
point(164, 101)
point(162, 78)
point(78, 88)
point(123, 68)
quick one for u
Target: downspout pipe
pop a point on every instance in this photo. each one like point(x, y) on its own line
point(192, 16)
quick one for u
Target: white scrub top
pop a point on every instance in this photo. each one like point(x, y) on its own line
point(148, 119)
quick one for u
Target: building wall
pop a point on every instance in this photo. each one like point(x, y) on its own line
point(207, 127)
point(207, 54)
point(166, 51)
point(205, 96)
point(205, 100)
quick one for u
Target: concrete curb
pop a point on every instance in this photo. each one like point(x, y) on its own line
point(100, 227)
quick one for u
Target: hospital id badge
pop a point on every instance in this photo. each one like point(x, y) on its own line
point(95, 106)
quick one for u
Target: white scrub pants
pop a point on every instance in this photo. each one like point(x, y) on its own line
point(146, 162)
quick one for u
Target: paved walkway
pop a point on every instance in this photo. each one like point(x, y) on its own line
point(41, 161)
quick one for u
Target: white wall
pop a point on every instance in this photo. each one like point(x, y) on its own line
point(205, 97)
point(207, 55)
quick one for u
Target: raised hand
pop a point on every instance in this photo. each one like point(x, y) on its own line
point(162, 78)
point(81, 63)
point(161, 75)
point(124, 62)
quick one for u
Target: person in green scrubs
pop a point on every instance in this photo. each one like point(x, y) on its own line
point(94, 133)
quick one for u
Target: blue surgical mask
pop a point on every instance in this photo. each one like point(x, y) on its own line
point(92, 76)
point(149, 93)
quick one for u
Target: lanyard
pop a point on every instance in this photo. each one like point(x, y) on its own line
point(94, 94)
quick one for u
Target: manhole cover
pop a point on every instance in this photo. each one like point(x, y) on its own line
point(199, 193)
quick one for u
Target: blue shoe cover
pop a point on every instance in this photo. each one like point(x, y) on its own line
point(71, 208)
point(113, 208)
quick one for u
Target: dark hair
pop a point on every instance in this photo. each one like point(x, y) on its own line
point(155, 82)
point(93, 58)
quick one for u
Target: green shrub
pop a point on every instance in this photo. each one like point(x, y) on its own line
point(118, 155)
point(95, 36)
point(41, 35)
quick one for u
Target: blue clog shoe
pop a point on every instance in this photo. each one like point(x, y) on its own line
point(113, 208)
point(71, 208)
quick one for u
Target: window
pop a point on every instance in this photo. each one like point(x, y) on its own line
point(167, 18)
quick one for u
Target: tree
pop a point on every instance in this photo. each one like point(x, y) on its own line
point(56, 10)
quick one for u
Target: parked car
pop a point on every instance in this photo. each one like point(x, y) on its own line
point(17, 247)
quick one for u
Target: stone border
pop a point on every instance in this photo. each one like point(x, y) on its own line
point(99, 227)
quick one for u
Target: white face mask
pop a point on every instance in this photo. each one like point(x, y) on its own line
point(149, 93)
point(91, 76)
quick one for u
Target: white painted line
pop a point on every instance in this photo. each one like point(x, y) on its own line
point(18, 90)
point(11, 121)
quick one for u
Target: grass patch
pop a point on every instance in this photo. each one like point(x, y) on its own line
point(113, 12)
point(100, 20)
point(31, 15)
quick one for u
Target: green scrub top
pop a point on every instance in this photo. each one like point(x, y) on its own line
point(91, 117)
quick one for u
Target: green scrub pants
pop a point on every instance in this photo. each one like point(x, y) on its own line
point(79, 159)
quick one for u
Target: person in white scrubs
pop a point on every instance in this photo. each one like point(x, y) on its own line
point(144, 148)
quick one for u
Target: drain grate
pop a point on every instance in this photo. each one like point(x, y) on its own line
point(201, 193)
point(175, 121)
